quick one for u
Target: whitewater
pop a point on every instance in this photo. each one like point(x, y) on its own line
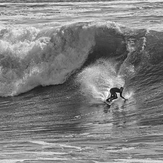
point(58, 61)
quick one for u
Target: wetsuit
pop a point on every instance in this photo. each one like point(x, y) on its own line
point(114, 92)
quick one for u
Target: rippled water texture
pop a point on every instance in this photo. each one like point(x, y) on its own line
point(56, 124)
point(68, 122)
point(130, 13)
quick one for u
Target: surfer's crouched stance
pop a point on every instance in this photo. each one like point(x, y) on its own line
point(113, 92)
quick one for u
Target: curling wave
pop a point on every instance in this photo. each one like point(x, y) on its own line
point(30, 57)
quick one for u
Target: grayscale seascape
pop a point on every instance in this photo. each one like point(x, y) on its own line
point(58, 61)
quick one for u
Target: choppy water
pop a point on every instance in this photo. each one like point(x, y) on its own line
point(77, 51)
point(130, 13)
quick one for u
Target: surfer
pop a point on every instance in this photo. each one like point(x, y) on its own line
point(113, 92)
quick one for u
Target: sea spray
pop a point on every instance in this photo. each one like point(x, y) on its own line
point(97, 79)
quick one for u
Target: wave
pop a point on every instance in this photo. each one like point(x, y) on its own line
point(30, 57)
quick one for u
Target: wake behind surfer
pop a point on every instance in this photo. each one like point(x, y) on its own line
point(113, 92)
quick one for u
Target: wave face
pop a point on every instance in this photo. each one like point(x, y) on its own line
point(30, 57)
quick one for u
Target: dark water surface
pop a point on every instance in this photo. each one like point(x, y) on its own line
point(57, 124)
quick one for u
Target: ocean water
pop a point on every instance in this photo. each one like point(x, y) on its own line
point(58, 61)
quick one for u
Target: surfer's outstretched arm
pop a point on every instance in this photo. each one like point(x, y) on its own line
point(122, 96)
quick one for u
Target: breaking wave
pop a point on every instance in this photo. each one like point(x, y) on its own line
point(30, 57)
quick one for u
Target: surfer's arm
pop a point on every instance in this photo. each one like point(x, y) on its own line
point(122, 96)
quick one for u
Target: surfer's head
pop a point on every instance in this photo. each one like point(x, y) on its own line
point(121, 89)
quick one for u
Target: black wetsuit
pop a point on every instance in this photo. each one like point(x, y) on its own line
point(114, 92)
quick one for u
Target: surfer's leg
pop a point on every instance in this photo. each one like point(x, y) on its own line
point(108, 100)
point(114, 96)
point(106, 109)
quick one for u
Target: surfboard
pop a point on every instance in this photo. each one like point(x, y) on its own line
point(108, 103)
point(111, 102)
